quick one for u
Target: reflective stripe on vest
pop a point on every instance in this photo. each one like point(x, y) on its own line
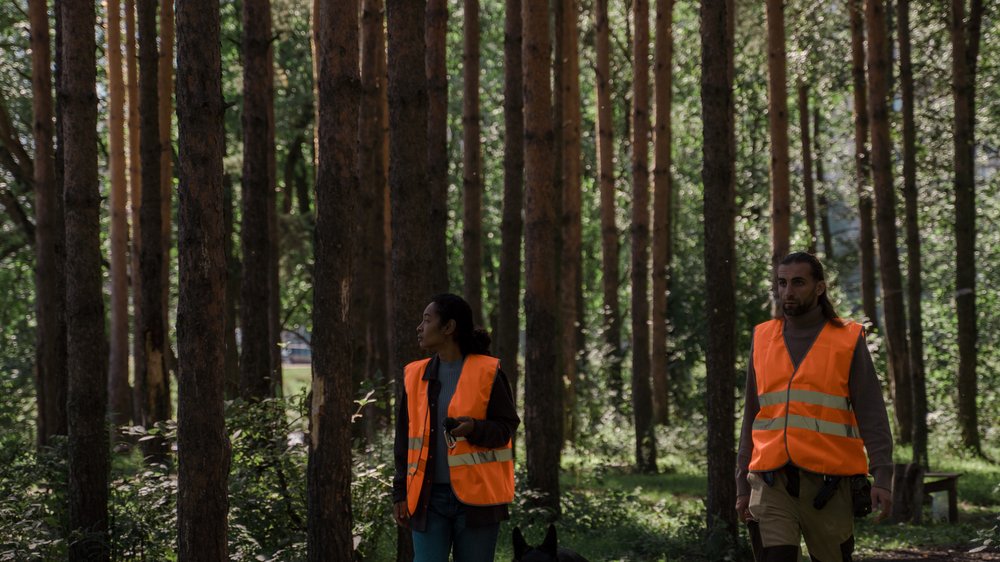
point(482, 457)
point(479, 476)
point(805, 413)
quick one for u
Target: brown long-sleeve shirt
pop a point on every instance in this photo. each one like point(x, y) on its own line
point(865, 392)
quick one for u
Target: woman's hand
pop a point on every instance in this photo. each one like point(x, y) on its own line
point(401, 513)
point(464, 428)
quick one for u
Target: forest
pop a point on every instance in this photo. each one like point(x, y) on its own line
point(221, 220)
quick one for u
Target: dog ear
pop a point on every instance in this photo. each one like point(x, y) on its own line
point(520, 545)
point(551, 544)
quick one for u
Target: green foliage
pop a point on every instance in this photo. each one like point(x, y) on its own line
point(988, 539)
point(266, 491)
point(143, 511)
point(33, 500)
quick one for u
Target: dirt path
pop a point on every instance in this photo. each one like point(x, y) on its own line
point(936, 554)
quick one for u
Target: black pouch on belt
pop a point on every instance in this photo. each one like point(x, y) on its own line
point(861, 495)
point(792, 474)
point(830, 484)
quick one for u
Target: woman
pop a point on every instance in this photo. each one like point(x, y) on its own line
point(454, 462)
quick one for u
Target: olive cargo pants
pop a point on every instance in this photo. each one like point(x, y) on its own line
point(828, 532)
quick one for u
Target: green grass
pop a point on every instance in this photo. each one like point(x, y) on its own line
point(613, 514)
point(295, 378)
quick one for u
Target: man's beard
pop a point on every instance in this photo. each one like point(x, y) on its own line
point(798, 309)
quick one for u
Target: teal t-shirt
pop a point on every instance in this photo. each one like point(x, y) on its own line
point(448, 374)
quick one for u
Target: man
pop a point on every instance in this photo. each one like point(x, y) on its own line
point(813, 408)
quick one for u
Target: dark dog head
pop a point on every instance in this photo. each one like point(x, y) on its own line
point(548, 551)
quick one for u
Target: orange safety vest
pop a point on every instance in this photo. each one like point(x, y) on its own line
point(479, 476)
point(805, 414)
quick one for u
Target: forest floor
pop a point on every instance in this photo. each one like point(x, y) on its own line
point(932, 555)
point(610, 513)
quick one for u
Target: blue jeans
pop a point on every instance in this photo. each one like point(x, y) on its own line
point(446, 532)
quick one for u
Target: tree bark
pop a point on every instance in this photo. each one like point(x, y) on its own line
point(543, 387)
point(609, 230)
point(273, 236)
point(662, 208)
point(862, 160)
point(86, 350)
point(414, 278)
point(119, 390)
point(719, 176)
point(512, 224)
point(329, 471)
point(965, 38)
point(152, 381)
point(255, 321)
point(571, 274)
point(436, 218)
point(807, 165)
point(777, 112)
point(373, 185)
point(50, 241)
point(885, 215)
point(472, 165)
point(135, 201)
point(642, 405)
point(232, 377)
point(165, 101)
point(202, 443)
point(824, 208)
point(914, 284)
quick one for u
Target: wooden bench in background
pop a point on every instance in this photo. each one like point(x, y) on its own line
point(944, 482)
point(911, 489)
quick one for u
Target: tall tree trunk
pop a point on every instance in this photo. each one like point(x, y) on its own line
point(777, 113)
point(290, 173)
point(165, 112)
point(119, 391)
point(571, 274)
point(557, 10)
point(255, 323)
point(512, 224)
point(152, 382)
point(543, 387)
point(329, 471)
point(50, 241)
point(885, 215)
point(642, 404)
point(381, 260)
point(965, 38)
point(437, 141)
point(824, 208)
point(609, 230)
point(862, 160)
point(202, 442)
point(86, 351)
point(232, 377)
point(914, 284)
point(662, 196)
point(373, 186)
point(135, 201)
point(719, 176)
point(807, 165)
point(414, 243)
point(302, 191)
point(472, 166)
point(273, 239)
